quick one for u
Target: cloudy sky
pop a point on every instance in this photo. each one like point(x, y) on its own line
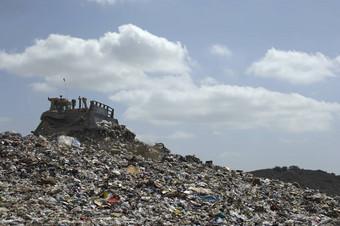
point(247, 84)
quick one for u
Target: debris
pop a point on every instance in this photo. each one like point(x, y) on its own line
point(201, 190)
point(48, 180)
point(114, 199)
point(208, 197)
point(106, 177)
point(133, 170)
point(65, 140)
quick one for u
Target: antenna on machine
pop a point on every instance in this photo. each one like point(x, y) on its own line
point(65, 87)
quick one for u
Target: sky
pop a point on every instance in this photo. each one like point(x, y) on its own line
point(246, 84)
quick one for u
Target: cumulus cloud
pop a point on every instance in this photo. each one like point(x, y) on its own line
point(151, 75)
point(295, 67)
point(41, 87)
point(209, 81)
point(220, 50)
point(229, 107)
point(114, 61)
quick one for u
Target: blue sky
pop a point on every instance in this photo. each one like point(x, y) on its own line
point(247, 84)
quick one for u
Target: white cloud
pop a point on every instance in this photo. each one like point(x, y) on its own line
point(151, 75)
point(180, 135)
point(112, 62)
point(4, 120)
point(220, 50)
point(295, 67)
point(229, 107)
point(41, 87)
point(209, 81)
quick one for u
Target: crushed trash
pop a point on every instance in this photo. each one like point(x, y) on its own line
point(107, 177)
point(66, 140)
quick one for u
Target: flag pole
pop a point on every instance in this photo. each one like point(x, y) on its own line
point(65, 88)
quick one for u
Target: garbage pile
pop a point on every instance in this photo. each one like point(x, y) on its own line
point(110, 178)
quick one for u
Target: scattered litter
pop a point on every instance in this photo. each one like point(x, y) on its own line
point(106, 177)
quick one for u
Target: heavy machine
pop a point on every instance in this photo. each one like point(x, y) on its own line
point(64, 116)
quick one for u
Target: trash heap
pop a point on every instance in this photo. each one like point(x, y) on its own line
point(107, 177)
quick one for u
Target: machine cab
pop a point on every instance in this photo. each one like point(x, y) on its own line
point(60, 105)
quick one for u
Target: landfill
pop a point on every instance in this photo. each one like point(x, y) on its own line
point(106, 176)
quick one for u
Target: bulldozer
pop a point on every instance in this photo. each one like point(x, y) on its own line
point(65, 116)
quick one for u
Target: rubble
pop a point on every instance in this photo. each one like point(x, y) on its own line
point(107, 177)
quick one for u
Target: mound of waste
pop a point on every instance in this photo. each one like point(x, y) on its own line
point(107, 177)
